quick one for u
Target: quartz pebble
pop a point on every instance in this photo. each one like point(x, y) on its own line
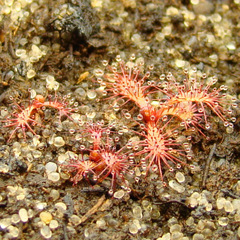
point(237, 217)
point(31, 73)
point(190, 221)
point(208, 207)
point(137, 212)
point(30, 213)
point(180, 177)
point(133, 229)
point(23, 214)
point(175, 228)
point(58, 142)
point(46, 232)
point(4, 168)
point(63, 157)
point(176, 235)
point(228, 207)
point(155, 214)
point(61, 206)
point(198, 236)
point(4, 223)
point(45, 217)
point(236, 204)
point(180, 63)
point(54, 194)
point(20, 52)
point(166, 236)
point(41, 205)
point(176, 186)
point(13, 232)
point(51, 83)
point(75, 220)
point(238, 187)
point(19, 192)
point(80, 92)
point(203, 7)
point(53, 224)
point(51, 167)
point(91, 94)
point(119, 194)
point(137, 223)
point(172, 11)
point(223, 221)
point(172, 221)
point(101, 223)
point(53, 176)
point(15, 218)
point(220, 203)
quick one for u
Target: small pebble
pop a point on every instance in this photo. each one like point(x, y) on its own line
point(15, 218)
point(4, 223)
point(31, 73)
point(51, 167)
point(41, 205)
point(172, 11)
point(46, 232)
point(190, 221)
point(228, 207)
point(64, 176)
point(101, 223)
point(236, 204)
point(23, 214)
point(237, 217)
point(119, 194)
point(20, 52)
point(220, 203)
point(166, 236)
point(172, 221)
point(238, 187)
point(133, 229)
point(223, 221)
point(175, 228)
point(208, 207)
point(4, 168)
point(80, 93)
point(54, 194)
point(203, 7)
point(176, 235)
point(46, 217)
point(137, 212)
point(31, 213)
point(61, 206)
point(176, 186)
point(180, 177)
point(51, 83)
point(13, 232)
point(155, 214)
point(53, 224)
point(137, 223)
point(91, 94)
point(58, 142)
point(75, 220)
point(198, 236)
point(62, 157)
point(53, 176)
point(180, 63)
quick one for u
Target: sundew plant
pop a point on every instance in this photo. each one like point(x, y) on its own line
point(164, 115)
